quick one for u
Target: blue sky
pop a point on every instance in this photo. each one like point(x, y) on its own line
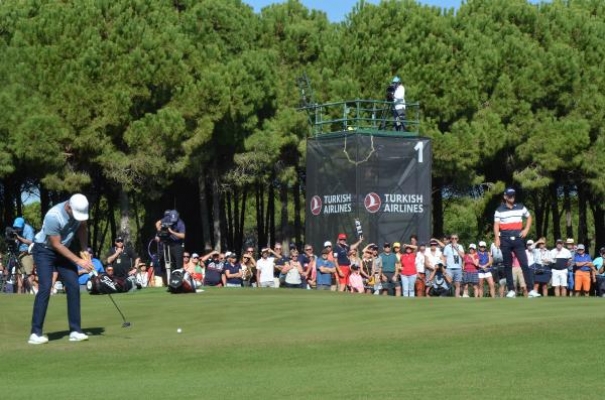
point(337, 9)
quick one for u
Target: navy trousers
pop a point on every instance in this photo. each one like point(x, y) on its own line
point(47, 261)
point(517, 245)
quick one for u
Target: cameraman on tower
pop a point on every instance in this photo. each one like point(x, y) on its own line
point(171, 232)
point(24, 237)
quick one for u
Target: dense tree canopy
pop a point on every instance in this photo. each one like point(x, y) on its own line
point(147, 105)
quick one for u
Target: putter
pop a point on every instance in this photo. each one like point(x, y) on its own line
point(125, 323)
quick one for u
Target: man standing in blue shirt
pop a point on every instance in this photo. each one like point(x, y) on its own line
point(390, 264)
point(24, 237)
point(62, 224)
point(585, 272)
point(325, 268)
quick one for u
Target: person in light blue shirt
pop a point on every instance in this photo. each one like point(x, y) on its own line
point(325, 269)
point(84, 275)
point(62, 223)
point(24, 237)
point(600, 267)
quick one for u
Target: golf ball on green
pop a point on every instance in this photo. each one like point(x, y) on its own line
point(179, 330)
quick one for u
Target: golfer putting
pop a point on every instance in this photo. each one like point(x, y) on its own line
point(62, 224)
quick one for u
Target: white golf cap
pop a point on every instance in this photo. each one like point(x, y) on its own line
point(472, 246)
point(530, 242)
point(482, 244)
point(79, 207)
point(327, 243)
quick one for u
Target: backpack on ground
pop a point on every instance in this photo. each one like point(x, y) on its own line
point(180, 282)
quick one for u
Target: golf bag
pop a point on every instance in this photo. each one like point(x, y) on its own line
point(181, 282)
point(104, 284)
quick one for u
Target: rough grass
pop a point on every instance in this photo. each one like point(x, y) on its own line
point(275, 344)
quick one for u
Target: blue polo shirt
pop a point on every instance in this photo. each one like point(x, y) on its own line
point(582, 258)
point(323, 279)
point(341, 254)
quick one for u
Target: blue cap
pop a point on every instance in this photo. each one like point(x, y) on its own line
point(396, 79)
point(509, 192)
point(19, 223)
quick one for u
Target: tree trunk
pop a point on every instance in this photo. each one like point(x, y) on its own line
point(271, 234)
point(556, 217)
point(567, 208)
point(228, 200)
point(124, 216)
point(598, 212)
point(582, 217)
point(284, 226)
point(260, 215)
point(437, 209)
point(204, 215)
point(216, 210)
point(242, 218)
point(297, 211)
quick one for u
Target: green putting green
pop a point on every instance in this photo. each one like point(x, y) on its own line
point(279, 343)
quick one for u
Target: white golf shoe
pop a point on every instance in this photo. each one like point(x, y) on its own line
point(77, 337)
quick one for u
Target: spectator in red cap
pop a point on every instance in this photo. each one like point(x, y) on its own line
point(343, 264)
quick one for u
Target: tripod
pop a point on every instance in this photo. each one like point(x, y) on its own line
point(167, 260)
point(14, 275)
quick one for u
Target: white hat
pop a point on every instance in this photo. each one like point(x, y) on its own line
point(227, 254)
point(530, 242)
point(472, 246)
point(482, 243)
point(327, 243)
point(79, 207)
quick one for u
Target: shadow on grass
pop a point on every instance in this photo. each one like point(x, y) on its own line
point(89, 331)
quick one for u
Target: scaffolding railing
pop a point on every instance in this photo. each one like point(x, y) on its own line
point(362, 115)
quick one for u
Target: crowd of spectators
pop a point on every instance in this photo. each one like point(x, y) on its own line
point(438, 268)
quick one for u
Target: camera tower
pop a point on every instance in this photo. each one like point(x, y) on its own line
point(361, 165)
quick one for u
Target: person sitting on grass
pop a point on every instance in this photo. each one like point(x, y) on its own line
point(441, 281)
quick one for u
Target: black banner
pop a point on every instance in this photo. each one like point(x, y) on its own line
point(384, 181)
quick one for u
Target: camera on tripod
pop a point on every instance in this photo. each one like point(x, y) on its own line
point(10, 237)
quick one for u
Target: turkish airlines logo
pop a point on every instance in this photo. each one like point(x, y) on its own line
point(316, 205)
point(372, 202)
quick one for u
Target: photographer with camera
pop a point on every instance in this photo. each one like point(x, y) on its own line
point(440, 280)
point(22, 234)
point(171, 232)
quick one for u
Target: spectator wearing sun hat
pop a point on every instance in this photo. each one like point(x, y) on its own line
point(432, 256)
point(561, 260)
point(542, 261)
